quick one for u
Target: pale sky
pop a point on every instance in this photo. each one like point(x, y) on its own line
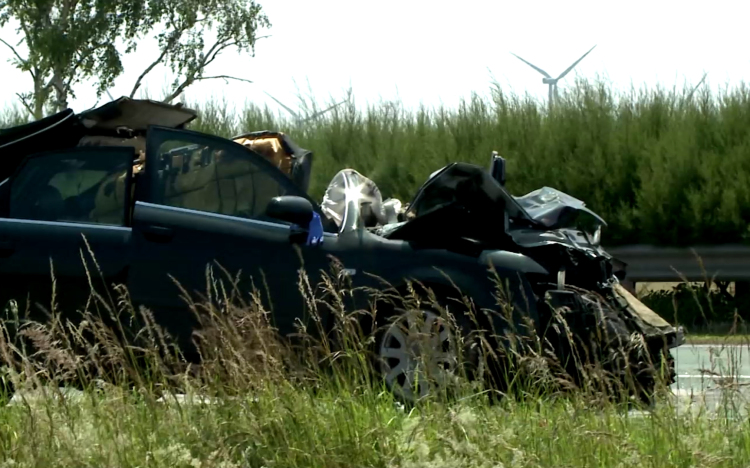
point(439, 51)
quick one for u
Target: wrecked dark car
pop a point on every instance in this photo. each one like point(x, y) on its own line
point(571, 285)
point(154, 201)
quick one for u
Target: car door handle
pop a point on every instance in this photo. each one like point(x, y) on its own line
point(158, 233)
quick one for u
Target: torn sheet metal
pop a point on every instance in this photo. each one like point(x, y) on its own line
point(551, 207)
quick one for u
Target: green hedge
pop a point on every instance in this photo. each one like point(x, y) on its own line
point(695, 306)
point(660, 166)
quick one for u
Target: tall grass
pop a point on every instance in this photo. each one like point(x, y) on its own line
point(257, 401)
point(662, 166)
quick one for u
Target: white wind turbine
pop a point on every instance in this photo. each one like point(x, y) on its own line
point(548, 80)
point(299, 119)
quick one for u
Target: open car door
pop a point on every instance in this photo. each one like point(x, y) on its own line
point(201, 202)
point(60, 207)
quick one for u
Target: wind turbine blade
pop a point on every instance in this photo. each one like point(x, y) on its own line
point(110, 95)
point(574, 64)
point(329, 109)
point(532, 66)
point(319, 113)
point(294, 114)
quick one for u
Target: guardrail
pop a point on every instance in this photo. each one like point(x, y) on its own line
point(654, 264)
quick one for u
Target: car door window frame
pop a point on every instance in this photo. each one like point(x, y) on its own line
point(157, 135)
point(128, 198)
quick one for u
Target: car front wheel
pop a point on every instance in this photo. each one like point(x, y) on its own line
point(418, 354)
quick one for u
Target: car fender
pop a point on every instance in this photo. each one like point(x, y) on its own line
point(477, 283)
point(503, 259)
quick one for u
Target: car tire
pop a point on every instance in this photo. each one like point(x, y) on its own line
point(418, 353)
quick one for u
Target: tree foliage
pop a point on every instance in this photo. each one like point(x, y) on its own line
point(68, 42)
point(183, 46)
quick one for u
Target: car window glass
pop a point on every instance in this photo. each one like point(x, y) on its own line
point(87, 186)
point(215, 178)
point(74, 183)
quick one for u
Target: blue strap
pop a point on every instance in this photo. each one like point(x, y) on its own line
point(315, 230)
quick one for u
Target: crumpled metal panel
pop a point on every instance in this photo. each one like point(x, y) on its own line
point(547, 205)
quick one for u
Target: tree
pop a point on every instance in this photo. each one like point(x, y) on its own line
point(71, 41)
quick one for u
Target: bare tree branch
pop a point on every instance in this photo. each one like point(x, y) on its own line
point(25, 32)
point(156, 62)
point(176, 35)
point(65, 13)
point(181, 88)
point(226, 78)
point(18, 56)
point(56, 83)
point(219, 41)
point(25, 103)
point(75, 68)
point(211, 58)
point(217, 48)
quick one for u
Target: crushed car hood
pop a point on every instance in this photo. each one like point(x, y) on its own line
point(570, 238)
point(468, 185)
point(460, 198)
point(461, 202)
point(467, 192)
point(553, 208)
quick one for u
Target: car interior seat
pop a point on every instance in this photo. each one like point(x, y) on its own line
point(45, 205)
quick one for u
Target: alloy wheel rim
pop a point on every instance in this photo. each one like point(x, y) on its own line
point(417, 354)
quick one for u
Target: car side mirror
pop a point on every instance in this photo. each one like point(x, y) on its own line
point(497, 168)
point(290, 208)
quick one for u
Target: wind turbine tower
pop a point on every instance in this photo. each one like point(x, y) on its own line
point(548, 80)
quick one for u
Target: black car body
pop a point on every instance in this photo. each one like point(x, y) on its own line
point(154, 202)
point(466, 209)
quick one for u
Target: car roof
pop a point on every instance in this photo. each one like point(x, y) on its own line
point(136, 115)
point(122, 117)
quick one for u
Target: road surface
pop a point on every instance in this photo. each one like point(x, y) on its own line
point(702, 366)
point(717, 376)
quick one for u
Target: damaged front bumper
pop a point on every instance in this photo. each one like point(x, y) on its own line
point(679, 338)
point(652, 321)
